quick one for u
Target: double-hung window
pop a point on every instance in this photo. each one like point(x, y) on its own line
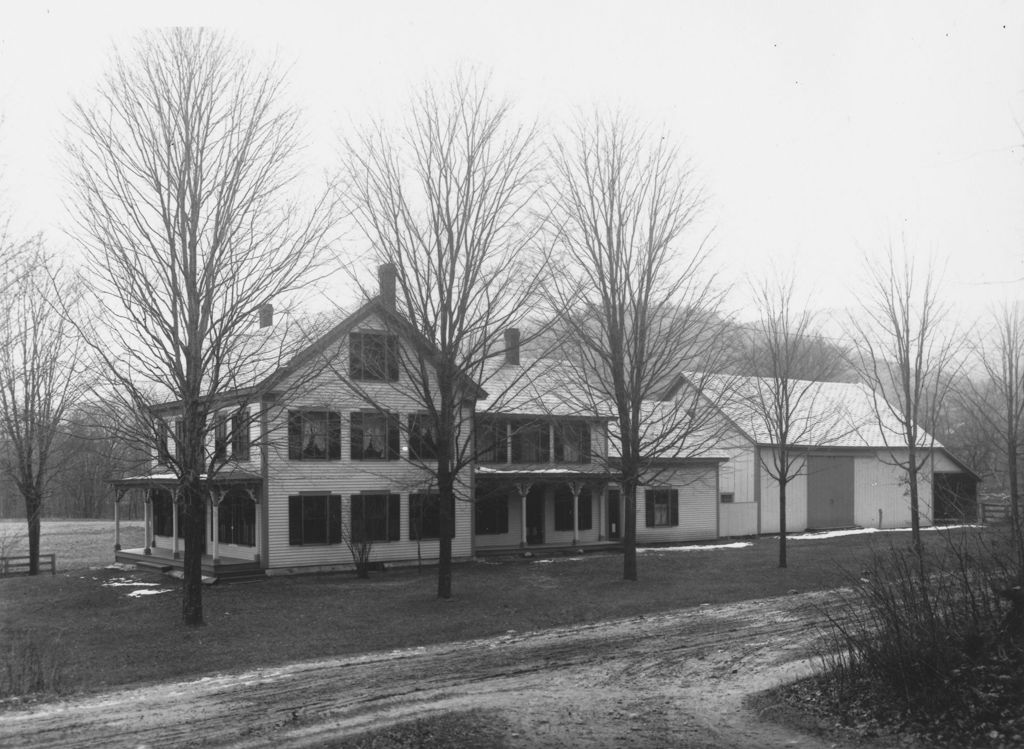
point(531, 442)
point(422, 437)
point(424, 516)
point(492, 441)
point(662, 507)
point(373, 356)
point(314, 519)
point(220, 438)
point(375, 517)
point(240, 434)
point(374, 435)
point(572, 442)
point(491, 514)
point(314, 435)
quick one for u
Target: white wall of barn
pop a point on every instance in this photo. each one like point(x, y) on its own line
point(881, 486)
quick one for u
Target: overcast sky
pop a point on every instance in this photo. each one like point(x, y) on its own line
point(820, 130)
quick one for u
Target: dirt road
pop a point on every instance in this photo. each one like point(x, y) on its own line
point(675, 679)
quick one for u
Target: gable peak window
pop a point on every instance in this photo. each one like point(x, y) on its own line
point(373, 357)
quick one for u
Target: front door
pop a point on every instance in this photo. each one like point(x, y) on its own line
point(535, 516)
point(614, 521)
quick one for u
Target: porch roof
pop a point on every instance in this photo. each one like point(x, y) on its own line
point(540, 471)
point(237, 476)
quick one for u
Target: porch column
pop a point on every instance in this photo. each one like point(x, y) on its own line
point(145, 520)
point(602, 514)
point(575, 487)
point(259, 524)
point(215, 497)
point(174, 526)
point(117, 519)
point(523, 489)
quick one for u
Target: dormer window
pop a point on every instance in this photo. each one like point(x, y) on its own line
point(373, 357)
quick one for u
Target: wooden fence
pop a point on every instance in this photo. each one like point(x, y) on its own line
point(20, 565)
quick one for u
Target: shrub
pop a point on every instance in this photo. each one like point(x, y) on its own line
point(32, 662)
point(920, 641)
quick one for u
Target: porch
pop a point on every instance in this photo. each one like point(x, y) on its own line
point(165, 560)
point(232, 524)
point(545, 508)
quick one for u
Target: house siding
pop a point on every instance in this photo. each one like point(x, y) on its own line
point(697, 485)
point(345, 476)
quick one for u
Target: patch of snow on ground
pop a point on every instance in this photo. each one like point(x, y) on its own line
point(119, 566)
point(560, 559)
point(858, 531)
point(711, 547)
point(147, 592)
point(120, 582)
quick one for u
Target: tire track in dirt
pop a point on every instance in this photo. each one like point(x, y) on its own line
point(671, 678)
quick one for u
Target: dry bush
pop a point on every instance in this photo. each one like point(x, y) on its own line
point(32, 662)
point(933, 643)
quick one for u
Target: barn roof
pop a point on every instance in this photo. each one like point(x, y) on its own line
point(828, 414)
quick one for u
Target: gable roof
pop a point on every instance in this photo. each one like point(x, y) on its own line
point(267, 356)
point(537, 386)
point(831, 414)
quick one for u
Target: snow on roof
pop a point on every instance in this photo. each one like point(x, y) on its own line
point(668, 431)
point(536, 387)
point(832, 414)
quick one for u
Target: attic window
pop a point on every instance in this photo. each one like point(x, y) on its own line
point(373, 356)
point(726, 498)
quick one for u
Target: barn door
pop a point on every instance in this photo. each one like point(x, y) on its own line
point(829, 492)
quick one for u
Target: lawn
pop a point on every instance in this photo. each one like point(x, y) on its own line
point(77, 543)
point(105, 636)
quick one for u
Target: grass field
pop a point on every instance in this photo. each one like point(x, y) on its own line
point(77, 543)
point(106, 636)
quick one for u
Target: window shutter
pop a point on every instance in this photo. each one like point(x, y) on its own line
point(545, 443)
point(585, 443)
point(673, 508)
point(356, 435)
point(334, 436)
point(294, 435)
point(334, 519)
point(649, 506)
point(393, 432)
point(394, 517)
point(295, 521)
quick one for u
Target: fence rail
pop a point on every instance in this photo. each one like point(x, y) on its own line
point(21, 565)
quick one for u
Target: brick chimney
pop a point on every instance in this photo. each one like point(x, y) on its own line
point(512, 346)
point(266, 315)
point(386, 275)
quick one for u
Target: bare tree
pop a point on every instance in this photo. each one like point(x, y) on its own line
point(636, 308)
point(909, 359)
point(182, 167)
point(40, 376)
point(791, 365)
point(996, 397)
point(445, 203)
